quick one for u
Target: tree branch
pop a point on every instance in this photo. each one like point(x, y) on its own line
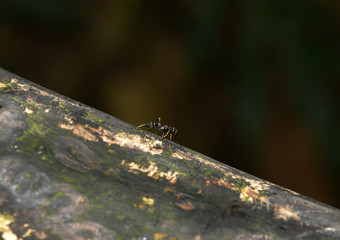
point(72, 172)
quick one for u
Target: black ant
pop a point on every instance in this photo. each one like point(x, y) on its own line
point(165, 129)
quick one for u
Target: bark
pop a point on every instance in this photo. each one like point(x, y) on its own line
point(68, 171)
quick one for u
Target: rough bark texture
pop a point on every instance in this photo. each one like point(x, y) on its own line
point(68, 171)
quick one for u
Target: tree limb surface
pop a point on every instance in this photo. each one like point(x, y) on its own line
point(68, 171)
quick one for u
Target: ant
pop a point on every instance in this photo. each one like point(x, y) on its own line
point(162, 128)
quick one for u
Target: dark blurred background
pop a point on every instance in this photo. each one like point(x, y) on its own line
point(253, 84)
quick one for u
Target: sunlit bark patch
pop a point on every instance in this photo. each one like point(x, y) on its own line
point(285, 212)
point(134, 141)
point(152, 171)
point(80, 131)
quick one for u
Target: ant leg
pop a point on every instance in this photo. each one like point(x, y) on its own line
point(142, 125)
point(170, 137)
point(164, 136)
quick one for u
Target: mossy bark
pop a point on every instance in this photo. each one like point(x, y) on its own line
point(68, 171)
